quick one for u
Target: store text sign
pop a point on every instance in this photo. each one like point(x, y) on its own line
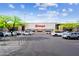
point(39, 25)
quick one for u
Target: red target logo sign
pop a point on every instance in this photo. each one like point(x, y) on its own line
point(40, 25)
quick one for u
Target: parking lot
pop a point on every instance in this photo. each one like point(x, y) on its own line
point(38, 44)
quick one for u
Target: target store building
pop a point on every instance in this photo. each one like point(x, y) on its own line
point(40, 27)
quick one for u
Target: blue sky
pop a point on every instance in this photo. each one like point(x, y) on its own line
point(42, 12)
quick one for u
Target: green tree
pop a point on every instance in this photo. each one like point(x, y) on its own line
point(9, 22)
point(69, 25)
point(16, 22)
point(4, 21)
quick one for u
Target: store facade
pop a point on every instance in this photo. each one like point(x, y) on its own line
point(40, 27)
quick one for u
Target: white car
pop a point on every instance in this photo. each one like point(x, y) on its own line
point(6, 33)
point(28, 33)
point(31, 32)
point(25, 33)
point(19, 32)
point(14, 33)
point(69, 35)
point(56, 33)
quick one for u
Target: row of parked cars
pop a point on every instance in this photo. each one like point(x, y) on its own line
point(66, 35)
point(14, 33)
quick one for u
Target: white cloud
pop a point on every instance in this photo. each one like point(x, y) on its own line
point(64, 14)
point(42, 8)
point(11, 6)
point(37, 4)
point(70, 3)
point(73, 3)
point(49, 14)
point(46, 4)
point(67, 10)
point(31, 14)
point(76, 3)
point(22, 6)
point(52, 13)
point(39, 15)
point(52, 4)
point(64, 10)
point(55, 12)
point(70, 9)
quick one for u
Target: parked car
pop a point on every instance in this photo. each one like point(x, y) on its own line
point(57, 33)
point(24, 32)
point(48, 32)
point(1, 34)
point(31, 32)
point(14, 33)
point(4, 34)
point(28, 33)
point(18, 32)
point(70, 35)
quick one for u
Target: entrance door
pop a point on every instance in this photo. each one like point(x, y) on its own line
point(39, 31)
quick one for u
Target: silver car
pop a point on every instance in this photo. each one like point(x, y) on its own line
point(56, 33)
point(6, 33)
point(69, 35)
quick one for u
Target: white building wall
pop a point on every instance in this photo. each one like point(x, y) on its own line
point(47, 26)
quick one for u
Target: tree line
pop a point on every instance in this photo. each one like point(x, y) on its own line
point(69, 26)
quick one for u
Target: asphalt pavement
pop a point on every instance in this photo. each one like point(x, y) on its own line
point(38, 45)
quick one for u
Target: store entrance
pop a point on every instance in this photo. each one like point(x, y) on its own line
point(40, 31)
